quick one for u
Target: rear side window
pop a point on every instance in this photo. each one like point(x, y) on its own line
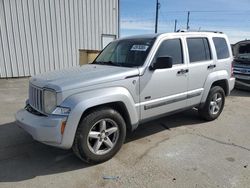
point(221, 48)
point(198, 49)
point(172, 48)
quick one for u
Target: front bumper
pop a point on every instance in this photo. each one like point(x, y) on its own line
point(242, 85)
point(45, 129)
point(242, 82)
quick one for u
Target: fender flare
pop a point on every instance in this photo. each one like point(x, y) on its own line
point(213, 77)
point(80, 102)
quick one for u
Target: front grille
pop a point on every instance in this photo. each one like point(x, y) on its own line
point(36, 98)
point(32, 110)
point(236, 73)
point(242, 71)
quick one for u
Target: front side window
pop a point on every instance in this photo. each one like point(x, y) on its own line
point(171, 48)
point(126, 52)
point(221, 48)
point(198, 49)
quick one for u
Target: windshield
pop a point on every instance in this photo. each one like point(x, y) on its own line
point(244, 52)
point(244, 56)
point(126, 52)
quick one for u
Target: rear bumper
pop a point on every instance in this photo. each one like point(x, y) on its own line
point(42, 128)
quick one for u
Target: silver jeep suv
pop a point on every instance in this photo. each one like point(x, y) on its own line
point(133, 80)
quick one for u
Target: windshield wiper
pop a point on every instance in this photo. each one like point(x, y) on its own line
point(106, 63)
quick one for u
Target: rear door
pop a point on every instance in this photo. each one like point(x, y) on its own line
point(201, 64)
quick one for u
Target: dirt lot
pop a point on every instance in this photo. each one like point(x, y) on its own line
point(177, 151)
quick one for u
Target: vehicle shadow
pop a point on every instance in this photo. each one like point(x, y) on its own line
point(22, 158)
point(185, 118)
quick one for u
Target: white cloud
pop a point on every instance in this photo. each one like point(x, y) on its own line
point(136, 25)
point(234, 34)
point(130, 24)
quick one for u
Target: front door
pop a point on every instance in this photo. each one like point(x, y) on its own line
point(165, 90)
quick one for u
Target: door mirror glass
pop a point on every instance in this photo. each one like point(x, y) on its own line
point(162, 63)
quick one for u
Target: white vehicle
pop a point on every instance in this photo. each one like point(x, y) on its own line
point(133, 80)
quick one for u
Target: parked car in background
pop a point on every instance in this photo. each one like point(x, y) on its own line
point(133, 80)
point(241, 64)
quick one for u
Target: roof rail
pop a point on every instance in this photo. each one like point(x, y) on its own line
point(185, 30)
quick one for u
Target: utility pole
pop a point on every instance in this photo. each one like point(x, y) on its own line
point(175, 24)
point(188, 20)
point(156, 16)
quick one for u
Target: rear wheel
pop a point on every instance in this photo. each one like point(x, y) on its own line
point(214, 104)
point(100, 135)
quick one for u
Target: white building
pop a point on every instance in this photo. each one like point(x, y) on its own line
point(42, 35)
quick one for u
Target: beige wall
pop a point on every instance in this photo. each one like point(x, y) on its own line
point(87, 56)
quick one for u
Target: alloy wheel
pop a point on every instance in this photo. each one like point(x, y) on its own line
point(103, 136)
point(215, 104)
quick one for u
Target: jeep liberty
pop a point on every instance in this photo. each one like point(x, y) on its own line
point(133, 80)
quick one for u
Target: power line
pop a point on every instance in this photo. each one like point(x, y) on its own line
point(181, 11)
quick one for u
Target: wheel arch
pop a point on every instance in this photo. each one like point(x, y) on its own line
point(223, 84)
point(119, 106)
point(118, 98)
point(219, 78)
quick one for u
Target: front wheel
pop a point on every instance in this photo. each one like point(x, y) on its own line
point(214, 104)
point(100, 135)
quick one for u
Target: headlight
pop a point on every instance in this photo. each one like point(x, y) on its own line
point(49, 97)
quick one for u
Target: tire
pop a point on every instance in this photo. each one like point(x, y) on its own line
point(95, 141)
point(214, 104)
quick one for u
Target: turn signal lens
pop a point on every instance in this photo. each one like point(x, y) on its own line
point(63, 125)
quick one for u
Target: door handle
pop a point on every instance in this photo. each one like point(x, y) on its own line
point(211, 66)
point(182, 71)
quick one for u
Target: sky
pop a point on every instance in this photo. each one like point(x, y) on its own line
point(229, 16)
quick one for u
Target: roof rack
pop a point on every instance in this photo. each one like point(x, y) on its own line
point(185, 30)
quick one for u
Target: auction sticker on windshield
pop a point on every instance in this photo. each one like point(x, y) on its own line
point(138, 47)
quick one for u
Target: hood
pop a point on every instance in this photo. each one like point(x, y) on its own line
point(82, 76)
point(241, 47)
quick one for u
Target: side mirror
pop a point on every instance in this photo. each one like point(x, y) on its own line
point(162, 63)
